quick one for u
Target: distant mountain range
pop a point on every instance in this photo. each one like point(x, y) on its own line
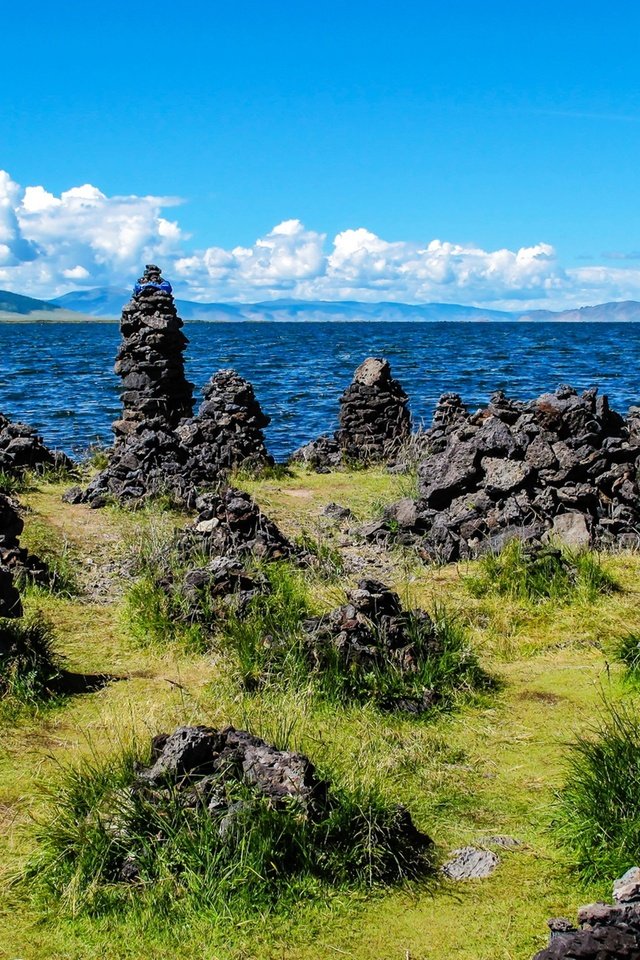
point(105, 303)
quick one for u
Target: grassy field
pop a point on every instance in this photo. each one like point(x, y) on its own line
point(489, 768)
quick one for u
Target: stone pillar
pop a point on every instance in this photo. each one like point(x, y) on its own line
point(155, 392)
point(374, 419)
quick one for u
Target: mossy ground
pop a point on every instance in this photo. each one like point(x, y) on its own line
point(490, 768)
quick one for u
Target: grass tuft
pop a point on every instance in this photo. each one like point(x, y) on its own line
point(599, 804)
point(108, 846)
point(28, 663)
point(536, 575)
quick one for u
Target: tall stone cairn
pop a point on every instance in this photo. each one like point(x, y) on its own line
point(374, 419)
point(155, 392)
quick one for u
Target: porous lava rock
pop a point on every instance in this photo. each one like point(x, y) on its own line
point(374, 421)
point(160, 447)
point(372, 632)
point(15, 561)
point(603, 931)
point(514, 468)
point(231, 524)
point(21, 448)
point(225, 774)
point(227, 432)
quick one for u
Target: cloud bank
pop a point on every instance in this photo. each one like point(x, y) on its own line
point(82, 238)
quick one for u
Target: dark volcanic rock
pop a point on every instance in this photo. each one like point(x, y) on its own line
point(15, 561)
point(372, 631)
point(160, 447)
point(374, 421)
point(603, 932)
point(563, 465)
point(22, 449)
point(231, 524)
point(227, 431)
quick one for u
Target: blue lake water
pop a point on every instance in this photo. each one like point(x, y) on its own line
point(58, 377)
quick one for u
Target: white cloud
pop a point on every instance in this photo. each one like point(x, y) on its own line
point(50, 244)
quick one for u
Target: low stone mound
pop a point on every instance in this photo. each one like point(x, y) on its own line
point(231, 524)
point(374, 421)
point(371, 632)
point(21, 448)
point(603, 932)
point(212, 589)
point(563, 463)
point(195, 760)
point(227, 432)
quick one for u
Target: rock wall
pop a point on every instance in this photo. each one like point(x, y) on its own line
point(564, 463)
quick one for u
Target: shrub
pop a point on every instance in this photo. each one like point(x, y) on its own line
point(262, 859)
point(599, 804)
point(534, 573)
point(28, 664)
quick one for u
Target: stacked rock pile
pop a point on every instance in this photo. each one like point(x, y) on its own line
point(449, 413)
point(224, 773)
point(22, 449)
point(231, 524)
point(604, 932)
point(10, 529)
point(227, 432)
point(372, 632)
point(156, 395)
point(160, 447)
point(562, 463)
point(374, 421)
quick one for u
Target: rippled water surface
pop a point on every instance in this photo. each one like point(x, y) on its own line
point(59, 376)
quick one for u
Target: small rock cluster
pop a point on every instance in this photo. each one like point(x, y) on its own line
point(228, 429)
point(224, 772)
point(374, 421)
point(563, 464)
point(372, 632)
point(229, 529)
point(160, 447)
point(604, 931)
point(231, 524)
point(22, 449)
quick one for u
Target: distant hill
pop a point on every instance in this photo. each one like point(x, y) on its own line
point(626, 311)
point(105, 303)
point(16, 308)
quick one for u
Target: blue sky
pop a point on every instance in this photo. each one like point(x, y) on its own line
point(487, 127)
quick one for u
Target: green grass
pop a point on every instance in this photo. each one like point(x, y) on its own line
point(263, 858)
point(490, 767)
point(28, 663)
point(626, 649)
point(271, 648)
point(56, 551)
point(539, 575)
point(599, 804)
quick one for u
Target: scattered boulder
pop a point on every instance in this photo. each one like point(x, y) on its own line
point(470, 863)
point(333, 511)
point(374, 421)
point(603, 932)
